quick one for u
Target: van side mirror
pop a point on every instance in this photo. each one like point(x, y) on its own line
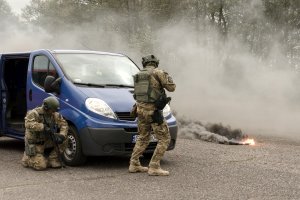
point(52, 85)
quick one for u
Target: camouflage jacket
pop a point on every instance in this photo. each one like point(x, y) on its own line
point(34, 124)
point(160, 80)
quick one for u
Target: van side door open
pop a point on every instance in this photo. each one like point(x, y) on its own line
point(13, 93)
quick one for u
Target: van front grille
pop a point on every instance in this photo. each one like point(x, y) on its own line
point(125, 116)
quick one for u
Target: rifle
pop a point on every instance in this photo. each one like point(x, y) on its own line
point(51, 133)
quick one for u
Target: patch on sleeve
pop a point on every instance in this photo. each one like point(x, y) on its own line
point(170, 80)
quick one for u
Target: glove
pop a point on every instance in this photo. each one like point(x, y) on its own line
point(59, 138)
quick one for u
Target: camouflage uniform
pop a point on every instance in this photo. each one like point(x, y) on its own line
point(36, 139)
point(158, 79)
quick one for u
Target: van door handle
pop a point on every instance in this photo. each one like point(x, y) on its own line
point(30, 95)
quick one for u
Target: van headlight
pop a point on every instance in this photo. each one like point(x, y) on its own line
point(100, 107)
point(166, 110)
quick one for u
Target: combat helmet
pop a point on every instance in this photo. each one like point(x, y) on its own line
point(150, 59)
point(51, 103)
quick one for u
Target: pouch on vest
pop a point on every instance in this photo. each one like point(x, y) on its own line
point(30, 149)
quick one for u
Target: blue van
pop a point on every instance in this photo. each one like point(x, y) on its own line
point(95, 91)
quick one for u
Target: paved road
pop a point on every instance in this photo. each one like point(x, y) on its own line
point(199, 170)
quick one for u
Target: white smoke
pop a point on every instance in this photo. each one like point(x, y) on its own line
point(223, 82)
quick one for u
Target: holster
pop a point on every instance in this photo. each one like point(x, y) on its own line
point(158, 117)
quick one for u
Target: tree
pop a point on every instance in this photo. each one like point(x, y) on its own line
point(7, 17)
point(255, 23)
point(5, 9)
point(55, 14)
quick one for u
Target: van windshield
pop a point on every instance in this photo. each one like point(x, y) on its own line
point(97, 70)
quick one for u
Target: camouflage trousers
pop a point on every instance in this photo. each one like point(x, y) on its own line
point(145, 128)
point(39, 161)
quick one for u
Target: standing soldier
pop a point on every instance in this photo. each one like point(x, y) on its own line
point(40, 123)
point(151, 98)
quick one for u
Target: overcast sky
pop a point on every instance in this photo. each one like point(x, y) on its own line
point(17, 5)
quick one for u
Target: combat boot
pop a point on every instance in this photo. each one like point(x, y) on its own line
point(54, 163)
point(137, 168)
point(157, 172)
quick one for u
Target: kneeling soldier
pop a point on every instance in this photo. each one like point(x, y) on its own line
point(45, 136)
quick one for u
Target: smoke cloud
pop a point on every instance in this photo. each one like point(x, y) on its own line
point(225, 83)
point(217, 81)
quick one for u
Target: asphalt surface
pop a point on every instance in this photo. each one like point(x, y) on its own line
point(198, 170)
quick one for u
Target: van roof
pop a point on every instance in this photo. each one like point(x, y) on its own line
point(85, 51)
point(62, 51)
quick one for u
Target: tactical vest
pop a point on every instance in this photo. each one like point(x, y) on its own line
point(143, 90)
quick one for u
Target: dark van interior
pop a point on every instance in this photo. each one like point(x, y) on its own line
point(15, 77)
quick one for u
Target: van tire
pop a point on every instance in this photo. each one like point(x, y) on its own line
point(73, 155)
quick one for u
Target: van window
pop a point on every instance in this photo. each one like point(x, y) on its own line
point(97, 69)
point(42, 67)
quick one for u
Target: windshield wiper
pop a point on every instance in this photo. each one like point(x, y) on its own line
point(90, 84)
point(104, 85)
point(119, 85)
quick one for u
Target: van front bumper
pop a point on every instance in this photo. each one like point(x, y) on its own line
point(115, 141)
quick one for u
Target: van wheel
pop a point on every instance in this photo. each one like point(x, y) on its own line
point(73, 154)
